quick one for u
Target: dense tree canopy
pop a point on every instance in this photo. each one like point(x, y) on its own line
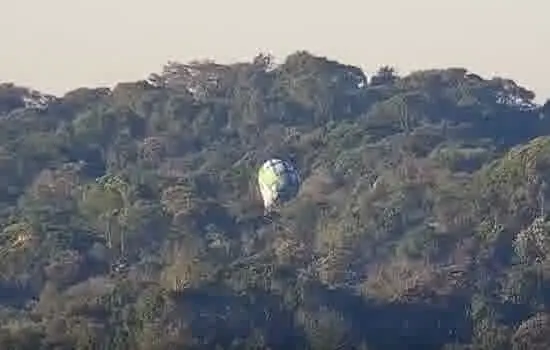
point(130, 217)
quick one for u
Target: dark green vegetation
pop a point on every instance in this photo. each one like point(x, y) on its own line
point(131, 220)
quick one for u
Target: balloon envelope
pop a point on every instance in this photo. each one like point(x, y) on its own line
point(279, 182)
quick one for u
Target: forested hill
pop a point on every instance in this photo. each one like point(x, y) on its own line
point(130, 217)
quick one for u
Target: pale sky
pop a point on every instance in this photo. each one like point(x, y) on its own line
point(59, 45)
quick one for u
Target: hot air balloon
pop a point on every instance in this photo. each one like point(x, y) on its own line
point(279, 182)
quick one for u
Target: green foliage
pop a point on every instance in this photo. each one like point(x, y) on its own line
point(131, 218)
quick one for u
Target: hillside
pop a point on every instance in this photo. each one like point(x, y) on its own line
point(130, 218)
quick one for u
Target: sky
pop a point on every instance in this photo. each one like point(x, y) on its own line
point(59, 45)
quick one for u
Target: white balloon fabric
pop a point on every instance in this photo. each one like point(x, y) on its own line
point(279, 182)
